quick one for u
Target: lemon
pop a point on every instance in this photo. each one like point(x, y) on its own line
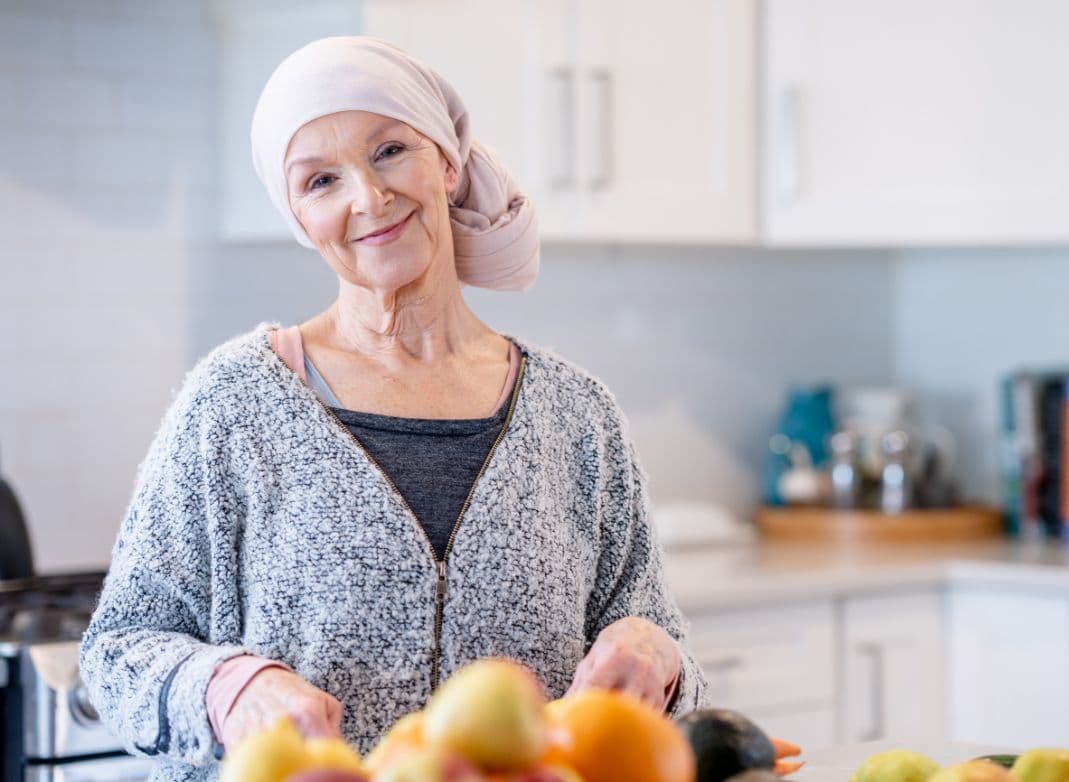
point(268, 756)
point(896, 765)
point(1042, 765)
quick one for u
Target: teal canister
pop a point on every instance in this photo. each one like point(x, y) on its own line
point(808, 420)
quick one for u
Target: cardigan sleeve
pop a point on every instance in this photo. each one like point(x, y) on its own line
point(146, 657)
point(630, 577)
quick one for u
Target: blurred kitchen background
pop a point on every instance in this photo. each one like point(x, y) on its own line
point(738, 198)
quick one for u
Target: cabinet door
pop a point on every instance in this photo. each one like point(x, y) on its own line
point(768, 660)
point(483, 47)
point(665, 120)
point(893, 684)
point(916, 122)
point(1010, 673)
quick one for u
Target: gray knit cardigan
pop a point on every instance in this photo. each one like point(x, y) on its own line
point(259, 525)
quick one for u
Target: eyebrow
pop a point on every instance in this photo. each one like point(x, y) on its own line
point(316, 160)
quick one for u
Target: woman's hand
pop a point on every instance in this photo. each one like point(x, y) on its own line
point(631, 655)
point(274, 693)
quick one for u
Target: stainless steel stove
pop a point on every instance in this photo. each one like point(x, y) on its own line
point(50, 731)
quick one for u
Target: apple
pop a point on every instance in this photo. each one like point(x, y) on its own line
point(1042, 765)
point(492, 713)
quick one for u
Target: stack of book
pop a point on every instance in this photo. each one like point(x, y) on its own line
point(1035, 453)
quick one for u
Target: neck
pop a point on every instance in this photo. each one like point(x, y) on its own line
point(423, 322)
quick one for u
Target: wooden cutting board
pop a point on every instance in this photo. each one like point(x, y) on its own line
point(826, 525)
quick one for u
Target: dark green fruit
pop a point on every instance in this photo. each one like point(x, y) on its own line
point(1006, 761)
point(726, 743)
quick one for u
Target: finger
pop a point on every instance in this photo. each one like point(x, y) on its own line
point(334, 714)
point(785, 749)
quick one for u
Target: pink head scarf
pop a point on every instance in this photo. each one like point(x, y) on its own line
point(495, 233)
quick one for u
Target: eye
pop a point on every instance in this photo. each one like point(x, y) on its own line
point(393, 149)
point(321, 181)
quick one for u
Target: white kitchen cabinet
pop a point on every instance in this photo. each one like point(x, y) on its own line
point(1010, 672)
point(620, 124)
point(915, 122)
point(661, 123)
point(893, 667)
point(776, 665)
point(612, 140)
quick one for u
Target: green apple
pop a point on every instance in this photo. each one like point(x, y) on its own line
point(1042, 765)
point(896, 765)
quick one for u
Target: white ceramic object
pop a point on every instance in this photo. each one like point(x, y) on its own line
point(694, 523)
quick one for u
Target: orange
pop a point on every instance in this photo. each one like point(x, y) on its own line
point(609, 737)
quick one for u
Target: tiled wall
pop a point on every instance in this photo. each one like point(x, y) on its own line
point(106, 193)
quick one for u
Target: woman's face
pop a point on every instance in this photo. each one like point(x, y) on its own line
point(371, 193)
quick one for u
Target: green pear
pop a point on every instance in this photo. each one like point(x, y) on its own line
point(973, 771)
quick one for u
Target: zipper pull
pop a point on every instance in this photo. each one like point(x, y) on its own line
point(442, 583)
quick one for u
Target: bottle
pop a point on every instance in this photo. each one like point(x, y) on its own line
point(844, 476)
point(894, 478)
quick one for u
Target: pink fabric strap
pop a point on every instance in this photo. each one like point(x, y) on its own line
point(228, 682)
point(287, 344)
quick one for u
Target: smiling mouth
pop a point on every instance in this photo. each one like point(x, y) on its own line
point(384, 231)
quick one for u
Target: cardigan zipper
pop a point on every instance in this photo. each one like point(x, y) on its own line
point(442, 585)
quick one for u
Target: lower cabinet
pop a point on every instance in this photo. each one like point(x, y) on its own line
point(984, 663)
point(1010, 666)
point(776, 665)
point(893, 684)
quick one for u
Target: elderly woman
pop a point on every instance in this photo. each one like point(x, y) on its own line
point(336, 516)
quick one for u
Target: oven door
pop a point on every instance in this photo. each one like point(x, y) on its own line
point(119, 769)
point(59, 721)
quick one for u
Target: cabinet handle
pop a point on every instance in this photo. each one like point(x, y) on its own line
point(788, 176)
point(875, 653)
point(722, 664)
point(561, 138)
point(602, 154)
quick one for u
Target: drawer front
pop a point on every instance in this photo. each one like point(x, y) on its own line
point(767, 657)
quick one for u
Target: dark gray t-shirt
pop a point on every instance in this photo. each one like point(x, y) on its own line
point(433, 463)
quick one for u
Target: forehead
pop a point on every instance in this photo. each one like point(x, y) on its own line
point(343, 128)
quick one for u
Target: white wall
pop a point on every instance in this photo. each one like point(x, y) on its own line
point(106, 192)
point(962, 319)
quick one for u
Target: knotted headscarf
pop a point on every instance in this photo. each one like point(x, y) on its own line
point(495, 233)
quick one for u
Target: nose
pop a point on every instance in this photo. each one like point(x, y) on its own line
point(368, 193)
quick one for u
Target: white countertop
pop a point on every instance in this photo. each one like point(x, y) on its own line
point(838, 763)
point(725, 577)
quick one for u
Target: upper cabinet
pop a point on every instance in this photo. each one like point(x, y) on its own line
point(873, 123)
point(915, 122)
point(620, 124)
point(649, 121)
